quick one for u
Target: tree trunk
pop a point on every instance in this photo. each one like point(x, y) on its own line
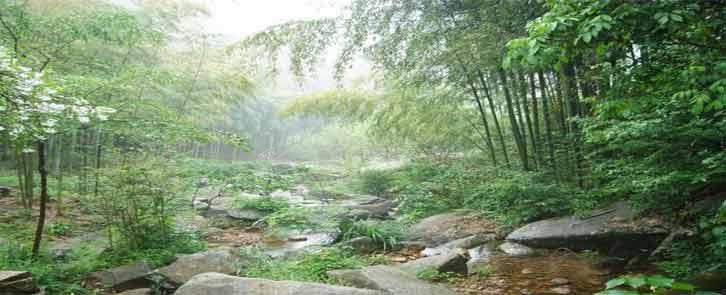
point(518, 139)
point(43, 198)
point(547, 126)
point(528, 117)
point(494, 116)
point(535, 121)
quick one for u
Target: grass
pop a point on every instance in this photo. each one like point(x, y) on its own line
point(311, 267)
point(385, 235)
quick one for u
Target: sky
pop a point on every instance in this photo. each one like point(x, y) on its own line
point(235, 19)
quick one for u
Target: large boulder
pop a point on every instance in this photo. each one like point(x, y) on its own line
point(185, 267)
point(17, 282)
point(463, 243)
point(122, 278)
point(614, 231)
point(453, 261)
point(144, 291)
point(439, 229)
point(370, 207)
point(221, 284)
point(388, 279)
point(516, 250)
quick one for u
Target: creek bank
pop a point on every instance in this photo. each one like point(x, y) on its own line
point(220, 284)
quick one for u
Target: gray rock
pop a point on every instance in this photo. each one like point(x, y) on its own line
point(136, 292)
point(463, 243)
point(370, 207)
point(514, 249)
point(185, 267)
point(439, 229)
point(388, 279)
point(246, 214)
point(122, 278)
point(613, 231)
point(453, 261)
point(479, 258)
point(220, 284)
point(17, 282)
point(362, 245)
point(95, 242)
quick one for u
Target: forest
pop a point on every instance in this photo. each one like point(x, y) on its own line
point(389, 147)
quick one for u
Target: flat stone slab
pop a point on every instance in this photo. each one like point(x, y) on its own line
point(221, 284)
point(17, 282)
point(453, 261)
point(613, 231)
point(122, 278)
point(388, 279)
point(185, 267)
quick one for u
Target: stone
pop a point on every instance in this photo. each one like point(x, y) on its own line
point(526, 271)
point(363, 245)
point(454, 261)
point(439, 229)
point(122, 278)
point(370, 207)
point(221, 284)
point(219, 260)
point(559, 282)
point(463, 243)
point(388, 279)
point(95, 242)
point(17, 282)
point(246, 214)
point(479, 258)
point(561, 290)
point(613, 231)
point(144, 291)
point(517, 250)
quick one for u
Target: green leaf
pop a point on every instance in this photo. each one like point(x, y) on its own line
point(615, 282)
point(659, 281)
point(683, 286)
point(635, 282)
point(617, 292)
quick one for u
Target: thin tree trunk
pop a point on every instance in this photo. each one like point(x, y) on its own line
point(99, 149)
point(521, 149)
point(494, 116)
point(574, 110)
point(546, 113)
point(43, 198)
point(528, 117)
point(59, 175)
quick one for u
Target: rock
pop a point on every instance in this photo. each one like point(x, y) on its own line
point(362, 245)
point(559, 282)
point(561, 290)
point(613, 231)
point(399, 259)
point(371, 207)
point(388, 279)
point(136, 292)
point(185, 267)
point(246, 214)
point(479, 258)
point(463, 243)
point(4, 191)
point(221, 284)
point(122, 278)
point(526, 271)
point(297, 238)
point(454, 261)
point(439, 229)
point(94, 242)
point(17, 282)
point(514, 249)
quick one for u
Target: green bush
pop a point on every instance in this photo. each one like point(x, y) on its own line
point(310, 267)
point(374, 182)
point(433, 275)
point(385, 235)
point(264, 204)
point(642, 285)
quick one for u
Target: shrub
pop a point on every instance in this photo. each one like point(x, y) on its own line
point(433, 275)
point(385, 235)
point(374, 182)
point(637, 285)
point(311, 267)
point(264, 204)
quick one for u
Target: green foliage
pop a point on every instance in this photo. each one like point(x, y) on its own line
point(161, 250)
point(58, 229)
point(706, 252)
point(264, 204)
point(385, 235)
point(483, 271)
point(261, 182)
point(310, 267)
point(374, 182)
point(636, 285)
point(433, 275)
point(138, 202)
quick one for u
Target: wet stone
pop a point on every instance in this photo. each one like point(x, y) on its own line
point(559, 281)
